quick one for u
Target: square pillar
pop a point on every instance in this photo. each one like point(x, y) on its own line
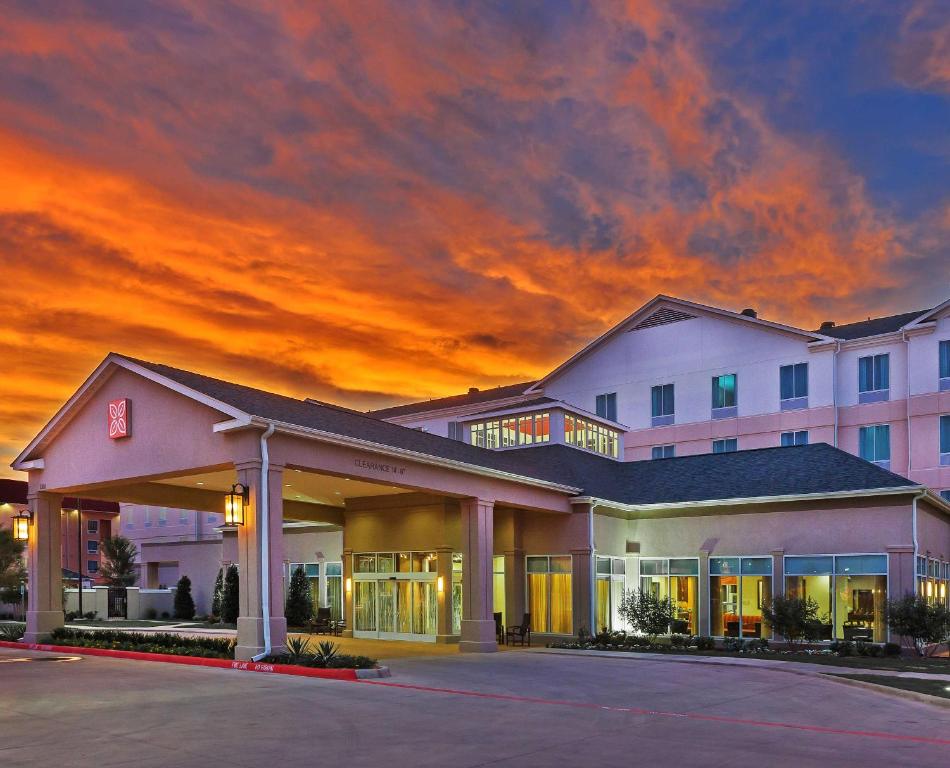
point(348, 592)
point(514, 586)
point(44, 568)
point(477, 529)
point(444, 571)
point(703, 623)
point(250, 623)
point(582, 590)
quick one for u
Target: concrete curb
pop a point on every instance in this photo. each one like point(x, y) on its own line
point(196, 661)
point(887, 690)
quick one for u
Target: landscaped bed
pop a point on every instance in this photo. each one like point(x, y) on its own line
point(842, 654)
point(938, 688)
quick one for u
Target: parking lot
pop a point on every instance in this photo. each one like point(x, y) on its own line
point(507, 709)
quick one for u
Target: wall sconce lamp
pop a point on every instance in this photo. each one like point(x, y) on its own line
point(349, 585)
point(440, 584)
point(21, 525)
point(235, 504)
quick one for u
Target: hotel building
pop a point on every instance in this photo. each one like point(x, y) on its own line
point(709, 456)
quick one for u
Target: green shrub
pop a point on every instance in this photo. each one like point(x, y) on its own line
point(230, 595)
point(681, 641)
point(705, 644)
point(924, 623)
point(184, 603)
point(794, 618)
point(299, 606)
point(844, 648)
point(161, 642)
point(12, 632)
point(892, 649)
point(216, 594)
point(646, 612)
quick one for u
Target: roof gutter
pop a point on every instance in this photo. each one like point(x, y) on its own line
point(709, 503)
point(403, 453)
point(264, 523)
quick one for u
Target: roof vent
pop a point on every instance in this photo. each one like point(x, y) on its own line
point(827, 325)
point(473, 390)
point(749, 312)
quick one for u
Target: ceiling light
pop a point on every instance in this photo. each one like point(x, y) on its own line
point(200, 482)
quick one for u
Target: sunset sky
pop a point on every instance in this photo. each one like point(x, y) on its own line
point(374, 202)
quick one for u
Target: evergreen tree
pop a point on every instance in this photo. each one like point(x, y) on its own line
point(184, 604)
point(12, 571)
point(118, 561)
point(216, 595)
point(230, 595)
point(299, 607)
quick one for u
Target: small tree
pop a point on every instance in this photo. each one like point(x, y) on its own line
point(184, 604)
point(118, 561)
point(230, 595)
point(912, 616)
point(299, 607)
point(794, 618)
point(646, 612)
point(216, 595)
point(12, 572)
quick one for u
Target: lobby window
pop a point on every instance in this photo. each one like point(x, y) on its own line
point(793, 386)
point(795, 438)
point(851, 592)
point(92, 566)
point(511, 431)
point(676, 579)
point(945, 440)
point(394, 594)
point(663, 452)
point(739, 587)
point(944, 354)
point(726, 445)
point(662, 405)
point(92, 547)
point(334, 574)
point(457, 592)
point(606, 405)
point(724, 396)
point(873, 378)
point(92, 527)
point(591, 436)
point(549, 594)
point(875, 444)
point(497, 586)
point(611, 580)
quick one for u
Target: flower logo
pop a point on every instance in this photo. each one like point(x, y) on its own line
point(118, 418)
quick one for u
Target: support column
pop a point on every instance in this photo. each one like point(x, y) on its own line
point(582, 590)
point(514, 587)
point(778, 582)
point(478, 624)
point(45, 567)
point(703, 625)
point(348, 616)
point(444, 571)
point(250, 623)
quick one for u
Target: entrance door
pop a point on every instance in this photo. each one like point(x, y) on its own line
point(396, 609)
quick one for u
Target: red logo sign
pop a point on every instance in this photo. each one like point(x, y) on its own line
point(119, 418)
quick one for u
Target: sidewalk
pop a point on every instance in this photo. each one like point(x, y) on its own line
point(787, 666)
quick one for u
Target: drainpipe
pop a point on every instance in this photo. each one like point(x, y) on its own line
point(907, 400)
point(592, 611)
point(914, 530)
point(834, 386)
point(264, 522)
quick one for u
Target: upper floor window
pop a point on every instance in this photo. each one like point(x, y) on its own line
point(92, 566)
point(795, 438)
point(163, 517)
point(945, 494)
point(875, 444)
point(525, 429)
point(607, 406)
point(662, 406)
point(726, 445)
point(92, 547)
point(92, 526)
point(873, 378)
point(724, 395)
point(793, 386)
point(182, 516)
point(945, 440)
point(455, 431)
point(945, 365)
point(148, 517)
point(594, 437)
point(663, 452)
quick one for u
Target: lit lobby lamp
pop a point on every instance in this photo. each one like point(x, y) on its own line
point(21, 525)
point(440, 584)
point(235, 504)
point(349, 585)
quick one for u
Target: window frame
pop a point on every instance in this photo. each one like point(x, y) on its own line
point(796, 399)
point(876, 393)
point(667, 451)
point(725, 441)
point(664, 396)
point(794, 433)
point(881, 462)
point(943, 365)
point(943, 438)
point(609, 402)
point(724, 410)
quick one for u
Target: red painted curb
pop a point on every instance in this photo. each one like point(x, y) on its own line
point(194, 661)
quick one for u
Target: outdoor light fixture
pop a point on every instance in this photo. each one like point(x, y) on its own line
point(440, 584)
point(235, 504)
point(21, 525)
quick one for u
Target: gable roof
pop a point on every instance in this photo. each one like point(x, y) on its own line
point(661, 310)
point(874, 326)
point(472, 397)
point(14, 491)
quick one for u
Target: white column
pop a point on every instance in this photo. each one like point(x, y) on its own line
point(478, 624)
point(45, 568)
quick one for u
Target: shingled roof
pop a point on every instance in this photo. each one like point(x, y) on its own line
point(811, 469)
point(472, 397)
point(874, 326)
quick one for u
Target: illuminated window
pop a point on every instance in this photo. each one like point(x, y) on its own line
point(511, 431)
point(591, 436)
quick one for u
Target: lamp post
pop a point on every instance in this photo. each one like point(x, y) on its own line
point(235, 504)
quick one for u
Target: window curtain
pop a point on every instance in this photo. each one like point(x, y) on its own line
point(561, 613)
point(538, 601)
point(602, 612)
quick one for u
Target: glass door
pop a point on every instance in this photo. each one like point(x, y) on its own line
point(395, 596)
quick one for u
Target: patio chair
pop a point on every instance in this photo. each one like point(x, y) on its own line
point(321, 624)
point(499, 629)
point(519, 632)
